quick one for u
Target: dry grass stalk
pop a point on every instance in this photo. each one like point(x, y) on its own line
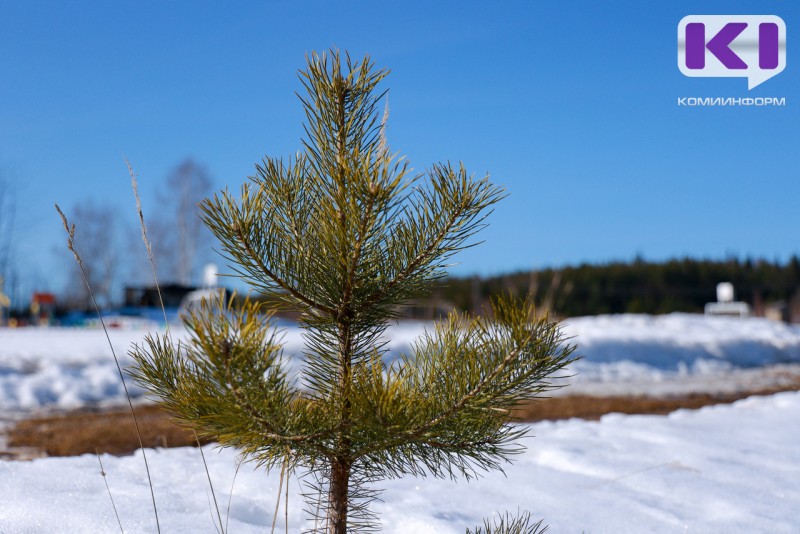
point(149, 248)
point(114, 506)
point(70, 229)
point(147, 245)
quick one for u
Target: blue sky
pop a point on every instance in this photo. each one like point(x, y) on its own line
point(572, 106)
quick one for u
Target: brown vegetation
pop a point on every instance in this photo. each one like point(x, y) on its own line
point(109, 431)
point(589, 407)
point(112, 431)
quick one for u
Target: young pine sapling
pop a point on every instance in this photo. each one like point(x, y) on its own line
point(344, 234)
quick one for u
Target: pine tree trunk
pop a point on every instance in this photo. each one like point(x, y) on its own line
point(339, 490)
point(338, 497)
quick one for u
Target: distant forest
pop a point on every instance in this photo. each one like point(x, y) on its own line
point(684, 285)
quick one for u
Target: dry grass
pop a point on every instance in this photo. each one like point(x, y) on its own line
point(588, 407)
point(110, 431)
point(113, 432)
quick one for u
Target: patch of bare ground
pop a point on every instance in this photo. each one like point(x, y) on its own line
point(112, 431)
point(590, 407)
point(108, 431)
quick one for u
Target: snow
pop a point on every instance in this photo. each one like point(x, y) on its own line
point(62, 368)
point(730, 468)
point(680, 353)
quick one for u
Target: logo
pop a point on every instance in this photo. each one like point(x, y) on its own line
point(732, 46)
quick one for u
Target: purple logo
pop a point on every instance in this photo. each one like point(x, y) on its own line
point(743, 46)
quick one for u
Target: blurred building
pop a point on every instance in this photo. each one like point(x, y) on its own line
point(43, 308)
point(173, 295)
point(726, 303)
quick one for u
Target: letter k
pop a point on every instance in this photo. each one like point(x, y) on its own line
point(719, 45)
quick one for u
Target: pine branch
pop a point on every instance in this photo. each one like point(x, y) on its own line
point(279, 281)
point(461, 200)
point(463, 401)
point(464, 422)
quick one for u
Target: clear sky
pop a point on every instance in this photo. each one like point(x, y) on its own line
point(572, 106)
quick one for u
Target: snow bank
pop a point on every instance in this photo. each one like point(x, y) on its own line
point(622, 354)
point(730, 469)
point(680, 353)
point(66, 368)
point(61, 367)
point(681, 341)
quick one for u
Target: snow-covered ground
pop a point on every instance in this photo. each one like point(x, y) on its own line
point(681, 353)
point(64, 368)
point(723, 469)
point(733, 468)
point(623, 354)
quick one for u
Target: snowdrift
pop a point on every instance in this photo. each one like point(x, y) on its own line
point(622, 354)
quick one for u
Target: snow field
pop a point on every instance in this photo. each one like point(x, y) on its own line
point(733, 468)
point(63, 368)
point(723, 469)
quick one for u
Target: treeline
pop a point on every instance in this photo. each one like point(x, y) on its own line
point(640, 286)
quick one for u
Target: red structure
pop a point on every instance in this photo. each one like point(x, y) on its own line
point(43, 307)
